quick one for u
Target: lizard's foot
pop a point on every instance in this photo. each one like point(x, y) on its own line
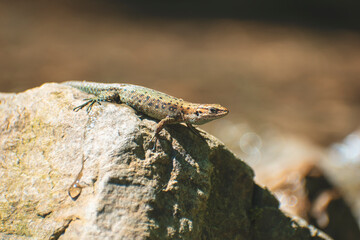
point(90, 102)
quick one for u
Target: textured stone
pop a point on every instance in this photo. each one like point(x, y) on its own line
point(188, 188)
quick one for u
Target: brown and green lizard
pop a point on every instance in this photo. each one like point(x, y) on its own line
point(155, 104)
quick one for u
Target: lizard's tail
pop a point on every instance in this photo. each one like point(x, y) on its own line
point(88, 87)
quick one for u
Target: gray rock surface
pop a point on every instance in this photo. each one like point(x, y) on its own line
point(187, 188)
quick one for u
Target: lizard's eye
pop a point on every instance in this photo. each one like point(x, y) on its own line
point(197, 113)
point(213, 110)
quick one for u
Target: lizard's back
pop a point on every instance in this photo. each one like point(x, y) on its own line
point(153, 103)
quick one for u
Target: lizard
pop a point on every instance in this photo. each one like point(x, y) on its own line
point(158, 105)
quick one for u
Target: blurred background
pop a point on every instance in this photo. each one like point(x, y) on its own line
point(288, 71)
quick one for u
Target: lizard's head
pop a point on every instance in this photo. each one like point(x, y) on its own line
point(203, 113)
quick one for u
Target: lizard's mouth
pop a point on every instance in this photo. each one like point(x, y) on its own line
point(222, 112)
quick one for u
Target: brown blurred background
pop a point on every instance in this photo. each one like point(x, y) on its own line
point(288, 71)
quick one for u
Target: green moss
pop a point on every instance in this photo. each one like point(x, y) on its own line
point(14, 218)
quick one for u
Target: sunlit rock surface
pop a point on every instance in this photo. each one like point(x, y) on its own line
point(187, 188)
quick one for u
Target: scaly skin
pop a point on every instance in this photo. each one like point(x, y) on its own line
point(155, 104)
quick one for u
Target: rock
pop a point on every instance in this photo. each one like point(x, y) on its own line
point(187, 188)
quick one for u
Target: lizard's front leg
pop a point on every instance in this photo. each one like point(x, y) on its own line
point(160, 126)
